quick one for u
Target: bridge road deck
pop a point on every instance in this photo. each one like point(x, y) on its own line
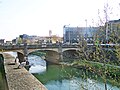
point(19, 79)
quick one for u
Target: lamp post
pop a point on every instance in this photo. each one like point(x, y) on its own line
point(86, 29)
point(69, 36)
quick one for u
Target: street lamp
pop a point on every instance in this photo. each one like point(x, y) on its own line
point(86, 29)
point(69, 36)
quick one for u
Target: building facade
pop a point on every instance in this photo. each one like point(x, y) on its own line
point(2, 41)
point(114, 31)
point(74, 34)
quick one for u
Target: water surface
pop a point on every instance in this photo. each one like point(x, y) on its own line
point(59, 77)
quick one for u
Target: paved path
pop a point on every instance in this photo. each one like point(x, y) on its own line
point(19, 79)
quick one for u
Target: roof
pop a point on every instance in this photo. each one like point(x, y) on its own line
point(114, 21)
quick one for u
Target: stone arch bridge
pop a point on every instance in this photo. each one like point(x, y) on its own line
point(54, 54)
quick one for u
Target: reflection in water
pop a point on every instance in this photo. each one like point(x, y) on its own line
point(57, 78)
point(37, 69)
point(76, 84)
point(37, 64)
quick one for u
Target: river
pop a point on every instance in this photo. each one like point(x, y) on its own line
point(59, 77)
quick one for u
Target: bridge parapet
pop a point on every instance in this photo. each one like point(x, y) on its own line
point(20, 48)
point(17, 47)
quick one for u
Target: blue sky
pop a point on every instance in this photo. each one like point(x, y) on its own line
point(37, 17)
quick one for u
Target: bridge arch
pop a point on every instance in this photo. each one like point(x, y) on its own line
point(70, 54)
point(42, 49)
point(66, 49)
point(50, 55)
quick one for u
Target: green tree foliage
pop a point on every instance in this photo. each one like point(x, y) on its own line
point(108, 56)
point(19, 40)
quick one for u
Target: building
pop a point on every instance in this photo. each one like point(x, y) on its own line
point(8, 43)
point(114, 25)
point(29, 39)
point(113, 29)
point(14, 42)
point(74, 34)
point(109, 33)
point(39, 40)
point(2, 41)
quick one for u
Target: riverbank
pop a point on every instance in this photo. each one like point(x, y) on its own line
point(106, 72)
point(19, 79)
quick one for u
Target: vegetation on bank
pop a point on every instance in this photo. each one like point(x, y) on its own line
point(109, 72)
point(102, 61)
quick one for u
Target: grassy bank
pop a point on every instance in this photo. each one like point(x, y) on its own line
point(105, 72)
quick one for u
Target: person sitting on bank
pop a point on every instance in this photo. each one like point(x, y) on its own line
point(22, 64)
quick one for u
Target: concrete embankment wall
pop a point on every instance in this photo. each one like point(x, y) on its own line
point(19, 79)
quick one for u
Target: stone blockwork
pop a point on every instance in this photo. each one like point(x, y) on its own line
point(20, 79)
point(52, 56)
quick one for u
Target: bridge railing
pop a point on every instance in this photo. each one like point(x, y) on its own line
point(14, 47)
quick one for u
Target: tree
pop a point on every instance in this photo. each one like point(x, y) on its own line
point(19, 41)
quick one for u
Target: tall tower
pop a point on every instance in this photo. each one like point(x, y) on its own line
point(50, 33)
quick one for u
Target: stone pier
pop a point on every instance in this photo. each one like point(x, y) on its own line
point(19, 79)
